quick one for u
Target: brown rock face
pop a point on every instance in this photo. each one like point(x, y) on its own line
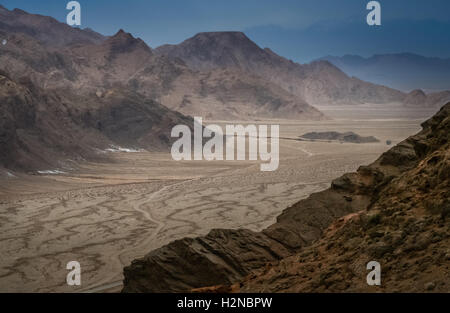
point(394, 211)
point(64, 94)
point(39, 127)
point(406, 228)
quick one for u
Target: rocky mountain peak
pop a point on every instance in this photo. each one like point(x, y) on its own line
point(210, 50)
point(19, 11)
point(418, 92)
point(415, 97)
point(123, 41)
point(122, 33)
point(222, 38)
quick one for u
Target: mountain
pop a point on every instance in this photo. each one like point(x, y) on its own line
point(45, 29)
point(218, 94)
point(43, 129)
point(93, 91)
point(405, 228)
point(418, 98)
point(404, 71)
point(93, 64)
point(56, 108)
point(422, 36)
point(317, 83)
point(231, 94)
point(395, 211)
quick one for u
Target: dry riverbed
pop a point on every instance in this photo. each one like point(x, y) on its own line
point(105, 215)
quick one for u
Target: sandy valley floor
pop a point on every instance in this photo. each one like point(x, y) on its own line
point(105, 215)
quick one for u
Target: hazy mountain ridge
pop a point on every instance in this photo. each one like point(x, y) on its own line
point(418, 98)
point(214, 75)
point(128, 61)
point(404, 71)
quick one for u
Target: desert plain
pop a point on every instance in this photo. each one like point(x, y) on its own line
point(105, 214)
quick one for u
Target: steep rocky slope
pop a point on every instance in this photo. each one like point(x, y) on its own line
point(44, 29)
point(406, 228)
point(53, 111)
point(43, 129)
point(35, 129)
point(218, 94)
point(318, 83)
point(395, 210)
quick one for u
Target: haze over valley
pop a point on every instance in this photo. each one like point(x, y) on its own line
point(86, 171)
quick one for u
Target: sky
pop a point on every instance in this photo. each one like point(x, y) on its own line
point(301, 30)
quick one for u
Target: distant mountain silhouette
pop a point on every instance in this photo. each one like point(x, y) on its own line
point(427, 37)
point(404, 71)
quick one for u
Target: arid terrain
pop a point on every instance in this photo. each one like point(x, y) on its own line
point(86, 174)
point(393, 211)
point(106, 214)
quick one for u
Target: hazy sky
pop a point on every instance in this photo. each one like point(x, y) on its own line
point(299, 29)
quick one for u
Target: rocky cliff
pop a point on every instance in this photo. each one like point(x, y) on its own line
point(395, 211)
point(406, 228)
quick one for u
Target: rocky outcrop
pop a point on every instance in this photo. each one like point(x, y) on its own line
point(406, 228)
point(336, 136)
point(225, 256)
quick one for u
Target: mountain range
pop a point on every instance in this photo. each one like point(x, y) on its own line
point(321, 82)
point(68, 93)
point(318, 83)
